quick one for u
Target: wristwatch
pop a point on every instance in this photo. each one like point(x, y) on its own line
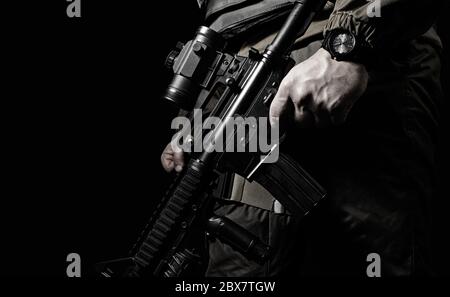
point(343, 45)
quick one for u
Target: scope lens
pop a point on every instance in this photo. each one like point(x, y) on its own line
point(182, 92)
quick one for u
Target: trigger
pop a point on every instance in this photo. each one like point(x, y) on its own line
point(267, 100)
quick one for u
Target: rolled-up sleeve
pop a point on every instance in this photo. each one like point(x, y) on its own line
point(384, 23)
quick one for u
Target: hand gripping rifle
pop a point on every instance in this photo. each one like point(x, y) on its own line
point(169, 244)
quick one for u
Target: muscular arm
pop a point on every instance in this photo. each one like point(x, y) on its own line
point(324, 90)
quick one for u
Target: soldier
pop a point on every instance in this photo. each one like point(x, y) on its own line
point(364, 94)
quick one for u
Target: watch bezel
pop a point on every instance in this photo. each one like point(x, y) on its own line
point(329, 44)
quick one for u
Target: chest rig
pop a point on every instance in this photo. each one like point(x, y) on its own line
point(234, 17)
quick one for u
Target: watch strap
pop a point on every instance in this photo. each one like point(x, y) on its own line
point(362, 53)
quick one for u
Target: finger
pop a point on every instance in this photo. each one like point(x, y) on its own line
point(338, 115)
point(322, 117)
point(302, 113)
point(310, 112)
point(167, 158)
point(178, 159)
point(167, 162)
point(279, 105)
point(304, 118)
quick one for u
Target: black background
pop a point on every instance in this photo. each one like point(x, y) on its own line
point(83, 127)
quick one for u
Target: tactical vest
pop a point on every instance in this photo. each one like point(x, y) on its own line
point(232, 17)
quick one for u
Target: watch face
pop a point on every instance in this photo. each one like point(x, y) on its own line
point(342, 43)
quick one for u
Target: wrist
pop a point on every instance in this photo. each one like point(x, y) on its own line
point(359, 67)
point(343, 45)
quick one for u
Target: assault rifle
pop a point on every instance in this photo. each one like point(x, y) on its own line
point(169, 245)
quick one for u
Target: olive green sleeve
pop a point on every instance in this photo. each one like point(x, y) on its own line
point(384, 23)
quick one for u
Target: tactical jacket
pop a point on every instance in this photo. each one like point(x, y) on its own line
point(383, 24)
point(379, 172)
